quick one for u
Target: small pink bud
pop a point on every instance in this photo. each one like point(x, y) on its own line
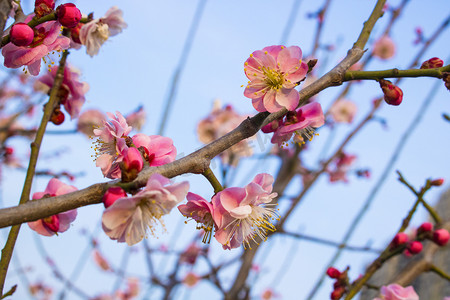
point(432, 63)
point(112, 194)
point(68, 15)
point(337, 293)
point(437, 182)
point(52, 223)
point(75, 33)
point(133, 160)
point(415, 247)
point(333, 273)
point(57, 117)
point(399, 239)
point(425, 227)
point(21, 34)
point(43, 7)
point(393, 95)
point(441, 237)
point(9, 150)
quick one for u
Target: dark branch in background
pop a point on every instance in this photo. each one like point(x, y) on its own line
point(5, 8)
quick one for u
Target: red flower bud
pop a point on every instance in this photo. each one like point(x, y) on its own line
point(437, 182)
point(415, 247)
point(9, 150)
point(425, 227)
point(399, 239)
point(333, 273)
point(393, 95)
point(441, 237)
point(446, 78)
point(133, 160)
point(112, 194)
point(43, 7)
point(337, 293)
point(21, 34)
point(75, 33)
point(432, 63)
point(68, 15)
point(57, 117)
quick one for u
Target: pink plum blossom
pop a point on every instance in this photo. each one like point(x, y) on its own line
point(300, 123)
point(46, 39)
point(343, 111)
point(201, 211)
point(159, 150)
point(111, 144)
point(137, 118)
point(96, 32)
point(274, 72)
point(191, 279)
point(397, 292)
point(59, 222)
point(100, 260)
point(221, 121)
point(71, 92)
point(90, 119)
point(384, 48)
point(128, 219)
point(243, 214)
point(342, 165)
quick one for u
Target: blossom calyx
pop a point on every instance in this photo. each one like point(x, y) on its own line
point(432, 63)
point(393, 95)
point(21, 34)
point(68, 15)
point(441, 237)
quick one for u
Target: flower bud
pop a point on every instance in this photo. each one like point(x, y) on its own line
point(132, 164)
point(399, 239)
point(432, 63)
point(9, 150)
point(333, 273)
point(415, 247)
point(68, 15)
point(393, 95)
point(57, 117)
point(337, 293)
point(51, 223)
point(437, 182)
point(441, 237)
point(112, 194)
point(446, 78)
point(425, 227)
point(21, 34)
point(43, 7)
point(75, 33)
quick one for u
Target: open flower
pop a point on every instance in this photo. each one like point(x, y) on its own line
point(244, 214)
point(46, 39)
point(159, 150)
point(96, 32)
point(274, 72)
point(384, 48)
point(59, 222)
point(128, 219)
point(72, 90)
point(111, 144)
point(343, 111)
point(90, 119)
point(397, 292)
point(300, 123)
point(201, 211)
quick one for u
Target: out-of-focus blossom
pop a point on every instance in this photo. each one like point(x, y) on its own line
point(384, 48)
point(89, 120)
point(221, 121)
point(201, 211)
point(10, 159)
point(59, 222)
point(100, 260)
point(72, 90)
point(137, 118)
point(96, 32)
point(300, 124)
point(128, 219)
point(191, 279)
point(243, 214)
point(397, 292)
point(432, 63)
point(343, 111)
point(159, 150)
point(441, 236)
point(269, 294)
point(274, 72)
point(131, 291)
point(341, 167)
point(46, 40)
point(41, 291)
point(189, 256)
point(111, 144)
point(393, 95)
